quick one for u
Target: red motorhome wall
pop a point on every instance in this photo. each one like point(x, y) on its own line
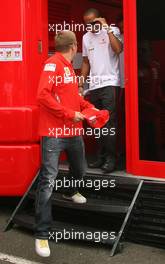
point(26, 21)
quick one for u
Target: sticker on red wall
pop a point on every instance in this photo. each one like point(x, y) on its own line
point(11, 51)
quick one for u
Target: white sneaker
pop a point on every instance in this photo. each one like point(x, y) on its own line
point(76, 198)
point(42, 247)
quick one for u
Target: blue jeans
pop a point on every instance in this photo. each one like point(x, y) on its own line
point(51, 149)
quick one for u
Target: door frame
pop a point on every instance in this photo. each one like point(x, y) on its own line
point(133, 164)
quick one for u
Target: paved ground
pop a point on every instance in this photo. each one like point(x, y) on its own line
point(20, 244)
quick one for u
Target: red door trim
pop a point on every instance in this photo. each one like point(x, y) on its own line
point(133, 164)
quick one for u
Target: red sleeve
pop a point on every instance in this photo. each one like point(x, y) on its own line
point(85, 104)
point(45, 97)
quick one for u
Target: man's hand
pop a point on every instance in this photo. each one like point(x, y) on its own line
point(95, 109)
point(78, 117)
point(81, 90)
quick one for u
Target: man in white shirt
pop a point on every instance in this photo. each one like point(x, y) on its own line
point(102, 45)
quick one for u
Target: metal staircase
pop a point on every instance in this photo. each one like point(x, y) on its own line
point(107, 210)
point(147, 224)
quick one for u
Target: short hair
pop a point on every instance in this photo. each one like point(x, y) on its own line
point(64, 39)
point(92, 11)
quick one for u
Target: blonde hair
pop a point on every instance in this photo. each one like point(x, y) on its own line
point(64, 39)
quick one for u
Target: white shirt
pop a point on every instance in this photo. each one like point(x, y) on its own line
point(104, 62)
point(121, 60)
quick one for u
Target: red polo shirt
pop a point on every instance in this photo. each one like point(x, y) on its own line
point(59, 99)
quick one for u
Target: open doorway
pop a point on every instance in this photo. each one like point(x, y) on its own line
point(151, 80)
point(65, 15)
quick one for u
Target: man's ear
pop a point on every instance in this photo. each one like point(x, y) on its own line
point(72, 46)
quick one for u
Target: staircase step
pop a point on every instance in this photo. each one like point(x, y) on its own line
point(96, 205)
point(87, 233)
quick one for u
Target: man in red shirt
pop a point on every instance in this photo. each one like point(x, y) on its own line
point(60, 126)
